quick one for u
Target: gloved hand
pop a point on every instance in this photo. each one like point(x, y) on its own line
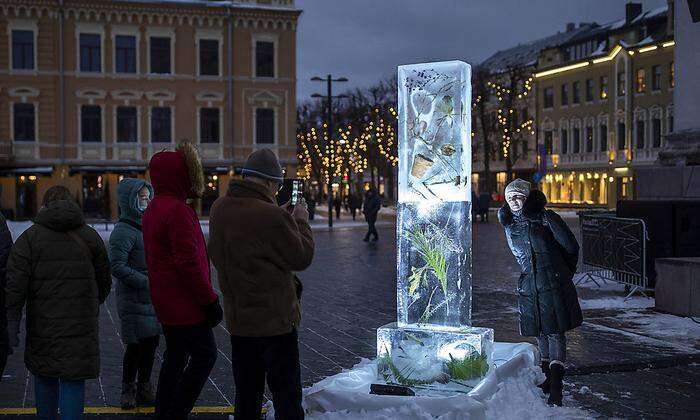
point(214, 313)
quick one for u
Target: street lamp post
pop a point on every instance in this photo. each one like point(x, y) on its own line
point(329, 98)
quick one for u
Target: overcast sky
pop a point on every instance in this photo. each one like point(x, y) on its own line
point(365, 40)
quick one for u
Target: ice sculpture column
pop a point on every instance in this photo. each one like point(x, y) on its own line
point(433, 342)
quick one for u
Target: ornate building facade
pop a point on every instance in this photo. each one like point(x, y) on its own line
point(605, 106)
point(89, 90)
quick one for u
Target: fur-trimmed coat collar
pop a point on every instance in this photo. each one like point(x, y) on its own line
point(534, 206)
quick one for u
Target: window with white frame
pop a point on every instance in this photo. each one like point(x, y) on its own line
point(161, 124)
point(23, 122)
point(90, 123)
point(208, 57)
point(656, 132)
point(209, 125)
point(127, 124)
point(23, 49)
point(264, 58)
point(160, 55)
point(264, 126)
point(125, 53)
point(640, 127)
point(564, 135)
point(90, 52)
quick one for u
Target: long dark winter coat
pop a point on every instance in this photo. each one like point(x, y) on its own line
point(5, 246)
point(256, 246)
point(63, 288)
point(371, 207)
point(547, 252)
point(138, 318)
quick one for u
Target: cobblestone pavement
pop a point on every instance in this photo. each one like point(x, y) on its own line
point(350, 290)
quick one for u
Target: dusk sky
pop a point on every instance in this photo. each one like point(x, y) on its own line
point(365, 40)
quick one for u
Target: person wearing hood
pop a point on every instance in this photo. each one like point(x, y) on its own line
point(547, 253)
point(179, 280)
point(59, 270)
point(256, 246)
point(140, 329)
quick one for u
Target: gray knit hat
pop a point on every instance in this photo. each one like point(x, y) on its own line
point(264, 164)
point(519, 186)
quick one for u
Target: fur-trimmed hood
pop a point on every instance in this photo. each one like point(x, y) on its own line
point(178, 173)
point(534, 205)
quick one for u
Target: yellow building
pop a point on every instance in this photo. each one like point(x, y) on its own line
point(605, 105)
point(89, 90)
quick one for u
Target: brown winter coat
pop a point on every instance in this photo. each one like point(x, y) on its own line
point(256, 246)
point(62, 287)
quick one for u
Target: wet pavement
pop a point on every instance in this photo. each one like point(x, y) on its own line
point(350, 290)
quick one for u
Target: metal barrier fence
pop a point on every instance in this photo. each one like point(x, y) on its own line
point(614, 249)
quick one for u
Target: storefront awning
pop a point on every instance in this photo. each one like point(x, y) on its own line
point(88, 169)
point(34, 170)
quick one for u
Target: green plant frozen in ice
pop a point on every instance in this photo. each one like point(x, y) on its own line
point(433, 246)
point(473, 366)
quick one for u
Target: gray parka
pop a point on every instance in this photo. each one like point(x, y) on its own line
point(138, 318)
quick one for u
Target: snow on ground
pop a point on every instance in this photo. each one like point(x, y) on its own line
point(508, 392)
point(663, 326)
point(617, 302)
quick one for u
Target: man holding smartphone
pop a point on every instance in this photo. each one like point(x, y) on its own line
point(256, 246)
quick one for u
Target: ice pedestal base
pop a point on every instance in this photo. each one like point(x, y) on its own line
point(439, 358)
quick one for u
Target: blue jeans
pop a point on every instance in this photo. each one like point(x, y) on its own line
point(53, 394)
point(552, 347)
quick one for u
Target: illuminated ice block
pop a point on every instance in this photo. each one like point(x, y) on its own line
point(434, 260)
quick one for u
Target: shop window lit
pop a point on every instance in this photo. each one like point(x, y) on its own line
point(621, 88)
point(641, 81)
point(603, 87)
point(672, 74)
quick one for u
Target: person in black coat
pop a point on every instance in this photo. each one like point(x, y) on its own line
point(5, 247)
point(370, 208)
point(547, 252)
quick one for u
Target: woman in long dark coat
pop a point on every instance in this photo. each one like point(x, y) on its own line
point(547, 252)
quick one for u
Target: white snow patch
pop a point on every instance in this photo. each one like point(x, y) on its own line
point(507, 392)
point(584, 390)
point(671, 328)
point(617, 302)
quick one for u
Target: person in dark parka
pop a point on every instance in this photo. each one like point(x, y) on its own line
point(140, 329)
point(547, 252)
point(370, 208)
point(59, 269)
point(5, 247)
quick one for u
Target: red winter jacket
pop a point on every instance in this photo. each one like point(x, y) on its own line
point(176, 254)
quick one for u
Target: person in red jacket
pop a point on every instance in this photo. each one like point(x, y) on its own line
point(179, 279)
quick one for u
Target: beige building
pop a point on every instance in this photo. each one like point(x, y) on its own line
point(89, 90)
point(605, 105)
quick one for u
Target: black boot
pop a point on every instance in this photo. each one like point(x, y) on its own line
point(556, 382)
point(545, 369)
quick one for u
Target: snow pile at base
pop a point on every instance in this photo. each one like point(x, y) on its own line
point(507, 392)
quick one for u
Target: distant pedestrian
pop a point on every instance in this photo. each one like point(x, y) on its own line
point(5, 247)
point(371, 208)
point(483, 202)
point(140, 329)
point(179, 279)
point(59, 270)
point(547, 252)
point(311, 205)
point(256, 247)
point(337, 205)
point(354, 203)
